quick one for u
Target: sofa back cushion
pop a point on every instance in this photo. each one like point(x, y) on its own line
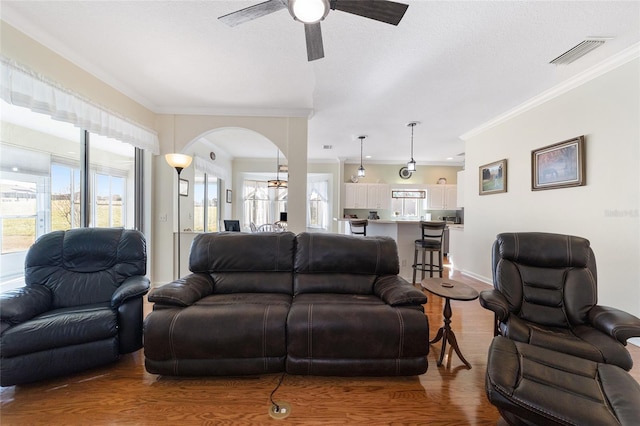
point(245, 262)
point(334, 263)
point(86, 265)
point(549, 279)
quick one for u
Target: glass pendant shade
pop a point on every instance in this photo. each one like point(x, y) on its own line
point(309, 11)
point(361, 169)
point(411, 165)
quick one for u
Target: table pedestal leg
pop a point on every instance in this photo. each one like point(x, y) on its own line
point(446, 334)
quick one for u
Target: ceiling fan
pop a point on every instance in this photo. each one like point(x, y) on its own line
point(311, 12)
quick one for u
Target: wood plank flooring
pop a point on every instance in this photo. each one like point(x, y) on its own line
point(125, 394)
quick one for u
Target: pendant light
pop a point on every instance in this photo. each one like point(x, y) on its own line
point(277, 183)
point(411, 165)
point(361, 169)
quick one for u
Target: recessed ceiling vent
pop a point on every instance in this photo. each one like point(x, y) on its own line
point(578, 51)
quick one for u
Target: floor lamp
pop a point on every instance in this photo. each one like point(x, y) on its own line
point(179, 162)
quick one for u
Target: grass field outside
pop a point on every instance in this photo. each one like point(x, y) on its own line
point(19, 220)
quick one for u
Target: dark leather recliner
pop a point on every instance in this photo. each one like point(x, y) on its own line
point(545, 294)
point(81, 306)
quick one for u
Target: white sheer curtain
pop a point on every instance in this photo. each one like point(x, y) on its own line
point(23, 87)
point(318, 204)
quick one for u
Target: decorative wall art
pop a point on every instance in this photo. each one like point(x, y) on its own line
point(184, 187)
point(493, 177)
point(560, 165)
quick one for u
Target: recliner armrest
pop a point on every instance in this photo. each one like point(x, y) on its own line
point(494, 301)
point(134, 286)
point(24, 303)
point(183, 292)
point(396, 291)
point(618, 324)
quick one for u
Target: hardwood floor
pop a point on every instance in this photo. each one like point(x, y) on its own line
point(124, 393)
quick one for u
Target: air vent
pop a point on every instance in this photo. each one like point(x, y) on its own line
point(327, 146)
point(578, 51)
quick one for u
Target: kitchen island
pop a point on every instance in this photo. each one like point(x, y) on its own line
point(404, 232)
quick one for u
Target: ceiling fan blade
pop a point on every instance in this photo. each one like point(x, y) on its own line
point(379, 10)
point(313, 34)
point(252, 12)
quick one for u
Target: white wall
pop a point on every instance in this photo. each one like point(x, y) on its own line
point(606, 110)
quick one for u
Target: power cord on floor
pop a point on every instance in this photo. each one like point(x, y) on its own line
point(276, 406)
point(282, 409)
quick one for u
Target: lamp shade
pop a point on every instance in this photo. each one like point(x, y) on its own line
point(309, 11)
point(179, 161)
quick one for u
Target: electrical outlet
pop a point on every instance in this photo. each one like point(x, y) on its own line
point(163, 218)
point(404, 262)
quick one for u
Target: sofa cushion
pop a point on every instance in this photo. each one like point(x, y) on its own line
point(363, 329)
point(227, 326)
point(59, 328)
point(336, 263)
point(240, 252)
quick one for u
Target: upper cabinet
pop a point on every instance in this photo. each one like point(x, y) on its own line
point(442, 197)
point(367, 196)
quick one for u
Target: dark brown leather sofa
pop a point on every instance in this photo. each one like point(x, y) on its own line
point(313, 304)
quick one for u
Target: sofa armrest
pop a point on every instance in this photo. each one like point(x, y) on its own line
point(396, 291)
point(134, 286)
point(494, 301)
point(24, 303)
point(618, 324)
point(184, 291)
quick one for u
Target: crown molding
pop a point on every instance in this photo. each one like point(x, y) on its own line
point(611, 63)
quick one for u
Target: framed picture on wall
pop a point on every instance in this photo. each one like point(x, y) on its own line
point(493, 177)
point(184, 187)
point(229, 196)
point(560, 165)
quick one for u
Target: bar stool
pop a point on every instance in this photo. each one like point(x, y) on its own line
point(359, 226)
point(431, 241)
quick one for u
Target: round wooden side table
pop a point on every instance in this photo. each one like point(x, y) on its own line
point(450, 290)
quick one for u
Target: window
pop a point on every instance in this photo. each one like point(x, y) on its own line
point(42, 181)
point(410, 208)
point(318, 204)
point(262, 204)
point(205, 202)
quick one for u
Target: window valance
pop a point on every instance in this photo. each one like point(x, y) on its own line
point(205, 166)
point(23, 87)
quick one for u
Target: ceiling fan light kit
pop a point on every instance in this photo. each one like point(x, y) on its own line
point(311, 12)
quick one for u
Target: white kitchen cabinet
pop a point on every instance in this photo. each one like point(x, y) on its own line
point(378, 196)
point(355, 196)
point(367, 196)
point(442, 197)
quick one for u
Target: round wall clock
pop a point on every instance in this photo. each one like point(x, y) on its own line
point(405, 173)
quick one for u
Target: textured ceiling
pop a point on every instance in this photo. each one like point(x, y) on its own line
point(450, 65)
